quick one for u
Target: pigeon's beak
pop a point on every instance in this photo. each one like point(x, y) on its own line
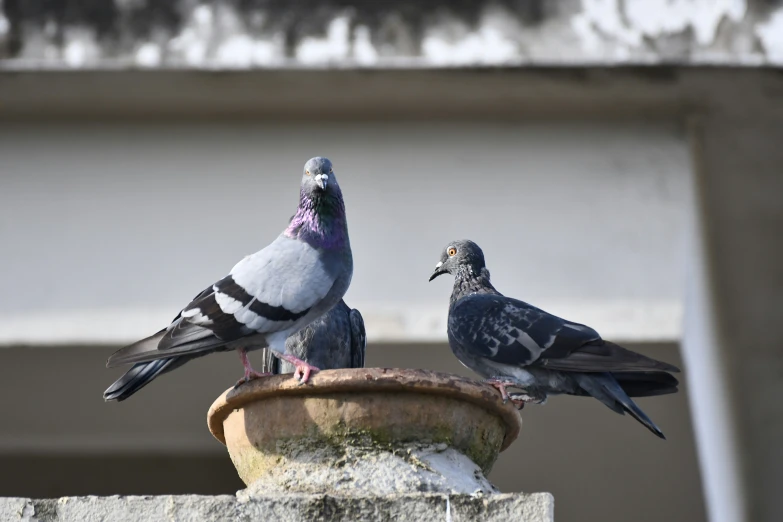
point(322, 180)
point(438, 271)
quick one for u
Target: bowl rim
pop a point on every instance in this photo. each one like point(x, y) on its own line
point(358, 380)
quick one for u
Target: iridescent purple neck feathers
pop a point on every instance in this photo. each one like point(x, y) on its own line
point(320, 219)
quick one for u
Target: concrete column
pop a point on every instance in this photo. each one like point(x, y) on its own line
point(706, 364)
point(733, 340)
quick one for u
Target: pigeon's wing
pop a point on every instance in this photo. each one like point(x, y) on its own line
point(358, 339)
point(264, 293)
point(601, 356)
point(510, 331)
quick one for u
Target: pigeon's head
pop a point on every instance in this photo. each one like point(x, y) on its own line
point(462, 254)
point(318, 175)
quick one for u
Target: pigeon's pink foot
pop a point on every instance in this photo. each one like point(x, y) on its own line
point(250, 373)
point(500, 384)
point(303, 370)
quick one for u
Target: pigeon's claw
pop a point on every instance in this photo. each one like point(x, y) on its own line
point(250, 373)
point(500, 384)
point(303, 370)
point(249, 376)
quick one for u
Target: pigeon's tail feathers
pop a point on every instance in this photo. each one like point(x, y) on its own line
point(179, 339)
point(603, 356)
point(358, 339)
point(606, 389)
point(646, 384)
point(139, 376)
point(147, 344)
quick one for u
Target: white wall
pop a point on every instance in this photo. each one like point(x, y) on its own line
point(106, 230)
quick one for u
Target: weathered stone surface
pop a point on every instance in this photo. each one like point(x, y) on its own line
point(434, 468)
point(224, 34)
point(519, 507)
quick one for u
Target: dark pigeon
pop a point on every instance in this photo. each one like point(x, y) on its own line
point(266, 297)
point(514, 344)
point(335, 340)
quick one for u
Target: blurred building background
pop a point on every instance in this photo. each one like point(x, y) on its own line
point(620, 163)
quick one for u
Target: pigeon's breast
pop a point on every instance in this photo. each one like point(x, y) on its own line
point(287, 273)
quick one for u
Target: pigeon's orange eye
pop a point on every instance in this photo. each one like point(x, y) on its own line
point(451, 251)
point(330, 169)
point(307, 172)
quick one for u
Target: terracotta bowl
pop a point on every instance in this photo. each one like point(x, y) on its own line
point(389, 407)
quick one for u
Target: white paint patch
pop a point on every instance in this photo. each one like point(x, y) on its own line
point(452, 42)
point(364, 51)
point(658, 17)
point(75, 54)
point(771, 35)
point(236, 51)
point(240, 48)
point(192, 44)
point(605, 23)
point(80, 48)
point(336, 46)
point(148, 55)
point(219, 36)
point(242, 51)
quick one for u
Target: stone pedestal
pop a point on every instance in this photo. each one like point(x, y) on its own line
point(368, 431)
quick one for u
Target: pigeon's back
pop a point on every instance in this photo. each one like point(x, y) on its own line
point(334, 340)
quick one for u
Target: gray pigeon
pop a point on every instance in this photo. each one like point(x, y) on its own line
point(334, 340)
point(514, 344)
point(266, 297)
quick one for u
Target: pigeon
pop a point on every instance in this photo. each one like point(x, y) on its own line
point(513, 344)
point(266, 297)
point(335, 340)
